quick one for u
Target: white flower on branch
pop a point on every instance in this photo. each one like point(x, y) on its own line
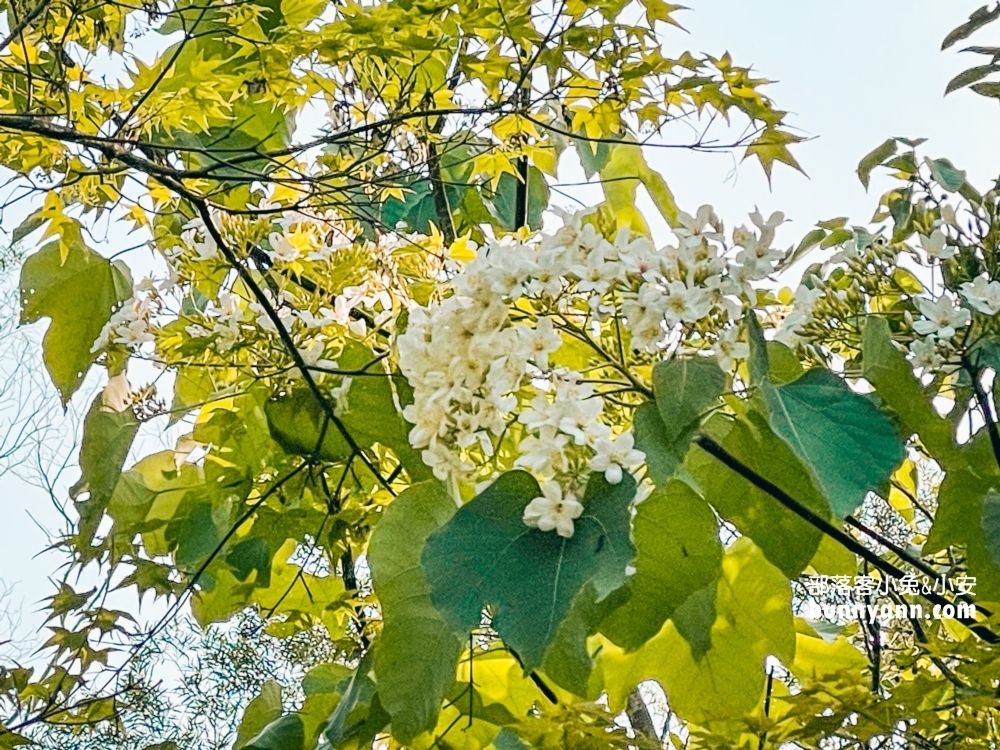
point(936, 245)
point(983, 295)
point(553, 510)
point(942, 317)
point(614, 457)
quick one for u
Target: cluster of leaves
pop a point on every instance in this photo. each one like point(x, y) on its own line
point(296, 492)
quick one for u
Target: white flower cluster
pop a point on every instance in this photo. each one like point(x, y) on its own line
point(941, 318)
point(480, 359)
point(129, 326)
point(297, 238)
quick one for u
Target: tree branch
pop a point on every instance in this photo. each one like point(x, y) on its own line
point(718, 452)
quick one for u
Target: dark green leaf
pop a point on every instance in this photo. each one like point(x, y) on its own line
point(840, 435)
point(685, 389)
point(107, 437)
point(846, 442)
point(946, 175)
point(249, 555)
point(485, 555)
point(503, 202)
point(664, 451)
point(991, 525)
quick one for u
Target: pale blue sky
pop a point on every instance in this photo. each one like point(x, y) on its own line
point(852, 73)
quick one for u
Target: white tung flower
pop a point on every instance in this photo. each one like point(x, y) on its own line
point(687, 305)
point(197, 331)
point(942, 317)
point(312, 355)
point(612, 457)
point(728, 349)
point(129, 326)
point(540, 341)
point(936, 245)
point(553, 510)
point(544, 455)
point(983, 295)
point(323, 317)
point(692, 228)
point(925, 353)
point(282, 248)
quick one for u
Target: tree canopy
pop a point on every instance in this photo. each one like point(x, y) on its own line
point(518, 468)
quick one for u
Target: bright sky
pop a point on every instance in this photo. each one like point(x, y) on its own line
point(852, 72)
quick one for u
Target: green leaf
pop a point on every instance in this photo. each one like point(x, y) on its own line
point(991, 525)
point(840, 435)
point(685, 389)
point(416, 653)
point(664, 451)
point(568, 663)
point(962, 514)
point(294, 591)
point(811, 240)
point(990, 89)
point(485, 555)
point(875, 158)
point(359, 715)
point(969, 76)
point(196, 529)
point(503, 202)
point(78, 290)
point(772, 146)
point(417, 209)
point(370, 414)
point(249, 555)
point(298, 424)
point(886, 368)
point(26, 227)
point(754, 620)
point(593, 155)
point(193, 387)
point(986, 353)
point(758, 362)
point(785, 539)
point(846, 442)
point(679, 552)
point(836, 237)
point(323, 687)
point(285, 733)
point(260, 712)
point(946, 175)
point(977, 20)
point(107, 437)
